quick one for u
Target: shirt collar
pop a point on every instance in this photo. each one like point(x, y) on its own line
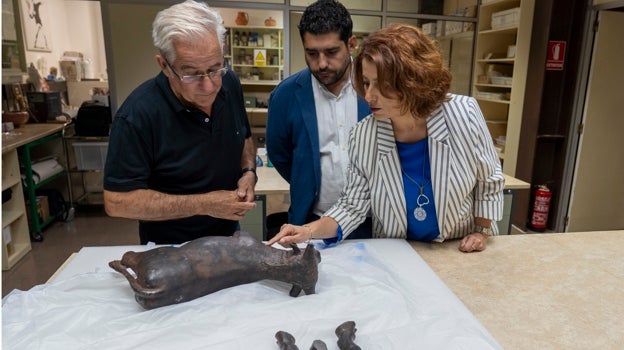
point(322, 89)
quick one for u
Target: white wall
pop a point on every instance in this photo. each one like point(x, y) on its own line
point(129, 30)
point(74, 25)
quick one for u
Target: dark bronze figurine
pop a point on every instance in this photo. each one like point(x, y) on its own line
point(170, 275)
point(346, 336)
point(345, 333)
point(285, 341)
point(318, 345)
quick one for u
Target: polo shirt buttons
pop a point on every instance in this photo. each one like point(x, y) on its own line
point(207, 120)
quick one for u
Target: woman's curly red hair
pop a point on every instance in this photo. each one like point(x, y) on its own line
point(409, 65)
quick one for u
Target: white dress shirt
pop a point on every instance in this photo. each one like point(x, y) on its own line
point(335, 115)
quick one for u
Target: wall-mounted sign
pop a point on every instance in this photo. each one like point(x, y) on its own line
point(260, 58)
point(556, 55)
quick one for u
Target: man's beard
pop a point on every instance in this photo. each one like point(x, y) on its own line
point(334, 77)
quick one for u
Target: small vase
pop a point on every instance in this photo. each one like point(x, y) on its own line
point(269, 22)
point(242, 18)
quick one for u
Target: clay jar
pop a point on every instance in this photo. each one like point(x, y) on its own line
point(242, 18)
point(269, 22)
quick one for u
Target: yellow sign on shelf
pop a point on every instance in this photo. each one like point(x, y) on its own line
point(260, 57)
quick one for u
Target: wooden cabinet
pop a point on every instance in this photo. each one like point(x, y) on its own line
point(500, 72)
point(15, 235)
point(457, 52)
point(20, 148)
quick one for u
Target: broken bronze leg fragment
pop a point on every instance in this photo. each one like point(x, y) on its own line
point(170, 275)
point(285, 341)
point(345, 332)
point(346, 336)
point(318, 345)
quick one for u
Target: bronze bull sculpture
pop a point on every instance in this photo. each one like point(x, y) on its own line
point(170, 275)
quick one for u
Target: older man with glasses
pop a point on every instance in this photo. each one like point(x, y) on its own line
point(181, 159)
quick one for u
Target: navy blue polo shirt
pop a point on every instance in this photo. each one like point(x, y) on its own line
point(158, 143)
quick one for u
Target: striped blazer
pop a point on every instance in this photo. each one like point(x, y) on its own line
point(466, 174)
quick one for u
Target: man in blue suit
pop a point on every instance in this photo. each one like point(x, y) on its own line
point(311, 113)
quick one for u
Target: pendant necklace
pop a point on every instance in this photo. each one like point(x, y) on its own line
point(420, 213)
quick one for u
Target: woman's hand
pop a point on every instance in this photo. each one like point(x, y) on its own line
point(474, 242)
point(291, 234)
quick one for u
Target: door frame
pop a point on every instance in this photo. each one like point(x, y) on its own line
point(579, 115)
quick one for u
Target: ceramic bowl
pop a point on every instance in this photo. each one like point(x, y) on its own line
point(17, 118)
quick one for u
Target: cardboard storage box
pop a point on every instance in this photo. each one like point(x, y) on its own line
point(43, 209)
point(497, 80)
point(505, 19)
point(429, 28)
point(453, 27)
point(71, 70)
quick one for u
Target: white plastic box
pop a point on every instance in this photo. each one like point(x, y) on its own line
point(440, 26)
point(501, 80)
point(90, 155)
point(505, 19)
point(453, 27)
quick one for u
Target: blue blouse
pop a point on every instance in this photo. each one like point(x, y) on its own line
point(416, 172)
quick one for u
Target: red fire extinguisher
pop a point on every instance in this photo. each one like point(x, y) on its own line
point(541, 206)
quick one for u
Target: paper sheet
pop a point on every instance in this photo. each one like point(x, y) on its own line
point(396, 301)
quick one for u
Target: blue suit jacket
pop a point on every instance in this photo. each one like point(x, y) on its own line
point(292, 141)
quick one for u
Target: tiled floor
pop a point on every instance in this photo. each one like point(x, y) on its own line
point(90, 227)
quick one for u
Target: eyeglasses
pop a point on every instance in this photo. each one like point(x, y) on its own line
point(190, 79)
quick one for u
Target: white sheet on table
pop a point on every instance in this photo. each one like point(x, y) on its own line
point(395, 299)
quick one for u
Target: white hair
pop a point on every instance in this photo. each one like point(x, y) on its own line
point(187, 21)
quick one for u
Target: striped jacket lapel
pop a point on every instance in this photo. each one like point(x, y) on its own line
point(390, 178)
point(440, 159)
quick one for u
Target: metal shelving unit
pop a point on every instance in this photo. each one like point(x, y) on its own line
point(30, 186)
point(85, 188)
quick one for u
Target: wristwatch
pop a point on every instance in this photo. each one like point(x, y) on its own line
point(487, 231)
point(253, 170)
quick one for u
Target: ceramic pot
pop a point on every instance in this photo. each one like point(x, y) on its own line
point(242, 18)
point(269, 22)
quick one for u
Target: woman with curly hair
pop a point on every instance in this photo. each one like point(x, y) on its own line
point(423, 162)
